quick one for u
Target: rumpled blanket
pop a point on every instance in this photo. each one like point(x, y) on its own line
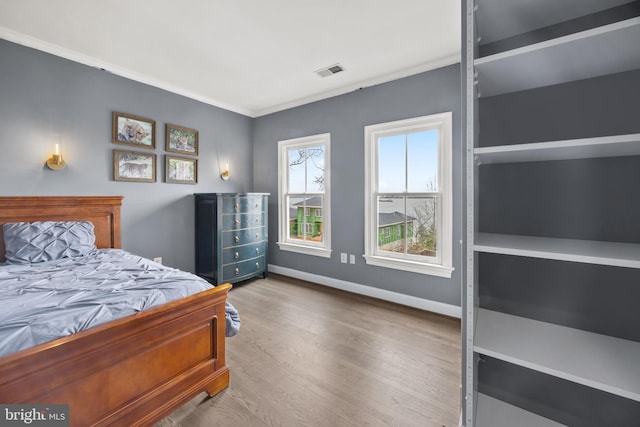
point(44, 301)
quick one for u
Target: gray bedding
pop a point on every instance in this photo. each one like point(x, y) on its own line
point(47, 300)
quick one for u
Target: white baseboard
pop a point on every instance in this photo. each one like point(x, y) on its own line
point(356, 288)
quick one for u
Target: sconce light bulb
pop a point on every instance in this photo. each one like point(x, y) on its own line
point(55, 162)
point(225, 173)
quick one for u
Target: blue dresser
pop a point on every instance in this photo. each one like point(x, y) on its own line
point(231, 236)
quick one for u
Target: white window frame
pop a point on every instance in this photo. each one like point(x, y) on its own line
point(308, 228)
point(322, 249)
point(441, 266)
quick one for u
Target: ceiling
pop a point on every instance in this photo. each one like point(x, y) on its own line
point(253, 57)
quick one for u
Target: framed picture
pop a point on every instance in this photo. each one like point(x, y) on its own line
point(181, 170)
point(134, 166)
point(182, 140)
point(133, 130)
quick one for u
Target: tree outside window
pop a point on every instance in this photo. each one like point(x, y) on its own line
point(303, 211)
point(408, 194)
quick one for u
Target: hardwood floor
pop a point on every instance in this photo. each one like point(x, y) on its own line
point(309, 355)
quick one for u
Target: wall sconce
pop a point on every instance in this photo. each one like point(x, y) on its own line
point(55, 162)
point(225, 173)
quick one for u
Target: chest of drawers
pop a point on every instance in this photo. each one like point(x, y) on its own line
point(231, 236)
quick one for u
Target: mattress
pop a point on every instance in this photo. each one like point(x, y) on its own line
point(48, 300)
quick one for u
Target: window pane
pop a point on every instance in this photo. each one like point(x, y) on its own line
point(315, 169)
point(391, 164)
point(412, 233)
point(304, 224)
point(391, 224)
point(422, 228)
point(422, 159)
point(296, 182)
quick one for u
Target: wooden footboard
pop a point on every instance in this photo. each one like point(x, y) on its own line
point(131, 371)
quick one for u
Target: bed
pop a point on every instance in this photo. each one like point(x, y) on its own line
point(131, 371)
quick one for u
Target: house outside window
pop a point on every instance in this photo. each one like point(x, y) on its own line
point(304, 224)
point(408, 200)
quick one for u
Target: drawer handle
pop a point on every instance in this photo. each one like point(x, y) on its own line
point(235, 206)
point(237, 221)
point(257, 205)
point(257, 250)
point(257, 235)
point(236, 255)
point(257, 219)
point(237, 270)
point(237, 238)
point(257, 265)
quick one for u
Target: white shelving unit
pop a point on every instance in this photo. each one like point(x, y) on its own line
point(585, 148)
point(601, 362)
point(585, 251)
point(598, 361)
point(495, 413)
point(562, 60)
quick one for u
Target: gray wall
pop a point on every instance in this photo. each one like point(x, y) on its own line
point(345, 117)
point(43, 96)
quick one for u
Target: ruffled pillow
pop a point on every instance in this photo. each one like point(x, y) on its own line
point(31, 242)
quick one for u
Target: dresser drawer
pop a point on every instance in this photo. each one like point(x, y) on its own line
point(243, 237)
point(241, 253)
point(232, 233)
point(242, 204)
point(246, 268)
point(242, 220)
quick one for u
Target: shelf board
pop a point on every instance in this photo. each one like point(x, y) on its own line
point(596, 52)
point(492, 412)
point(585, 148)
point(584, 251)
point(599, 361)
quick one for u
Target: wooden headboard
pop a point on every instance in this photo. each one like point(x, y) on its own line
point(102, 211)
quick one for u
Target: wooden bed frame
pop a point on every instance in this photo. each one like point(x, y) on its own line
point(131, 371)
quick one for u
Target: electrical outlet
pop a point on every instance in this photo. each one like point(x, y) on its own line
point(343, 258)
point(158, 259)
point(352, 259)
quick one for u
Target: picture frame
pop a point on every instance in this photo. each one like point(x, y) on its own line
point(134, 166)
point(181, 140)
point(181, 170)
point(133, 130)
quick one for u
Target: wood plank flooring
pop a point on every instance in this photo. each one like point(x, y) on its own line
point(309, 355)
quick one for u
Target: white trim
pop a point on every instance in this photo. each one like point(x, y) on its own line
point(56, 50)
point(408, 265)
point(322, 249)
point(421, 68)
point(90, 61)
point(443, 123)
point(307, 250)
point(383, 294)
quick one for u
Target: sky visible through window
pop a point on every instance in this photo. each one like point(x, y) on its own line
point(313, 159)
point(408, 162)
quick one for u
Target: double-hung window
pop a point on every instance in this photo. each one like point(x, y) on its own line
point(408, 200)
point(304, 211)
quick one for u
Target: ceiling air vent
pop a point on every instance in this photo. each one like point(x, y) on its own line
point(332, 69)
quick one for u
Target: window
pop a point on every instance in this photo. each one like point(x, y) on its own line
point(304, 193)
point(308, 228)
point(408, 200)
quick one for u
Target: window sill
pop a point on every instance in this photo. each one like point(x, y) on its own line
point(307, 250)
point(412, 266)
